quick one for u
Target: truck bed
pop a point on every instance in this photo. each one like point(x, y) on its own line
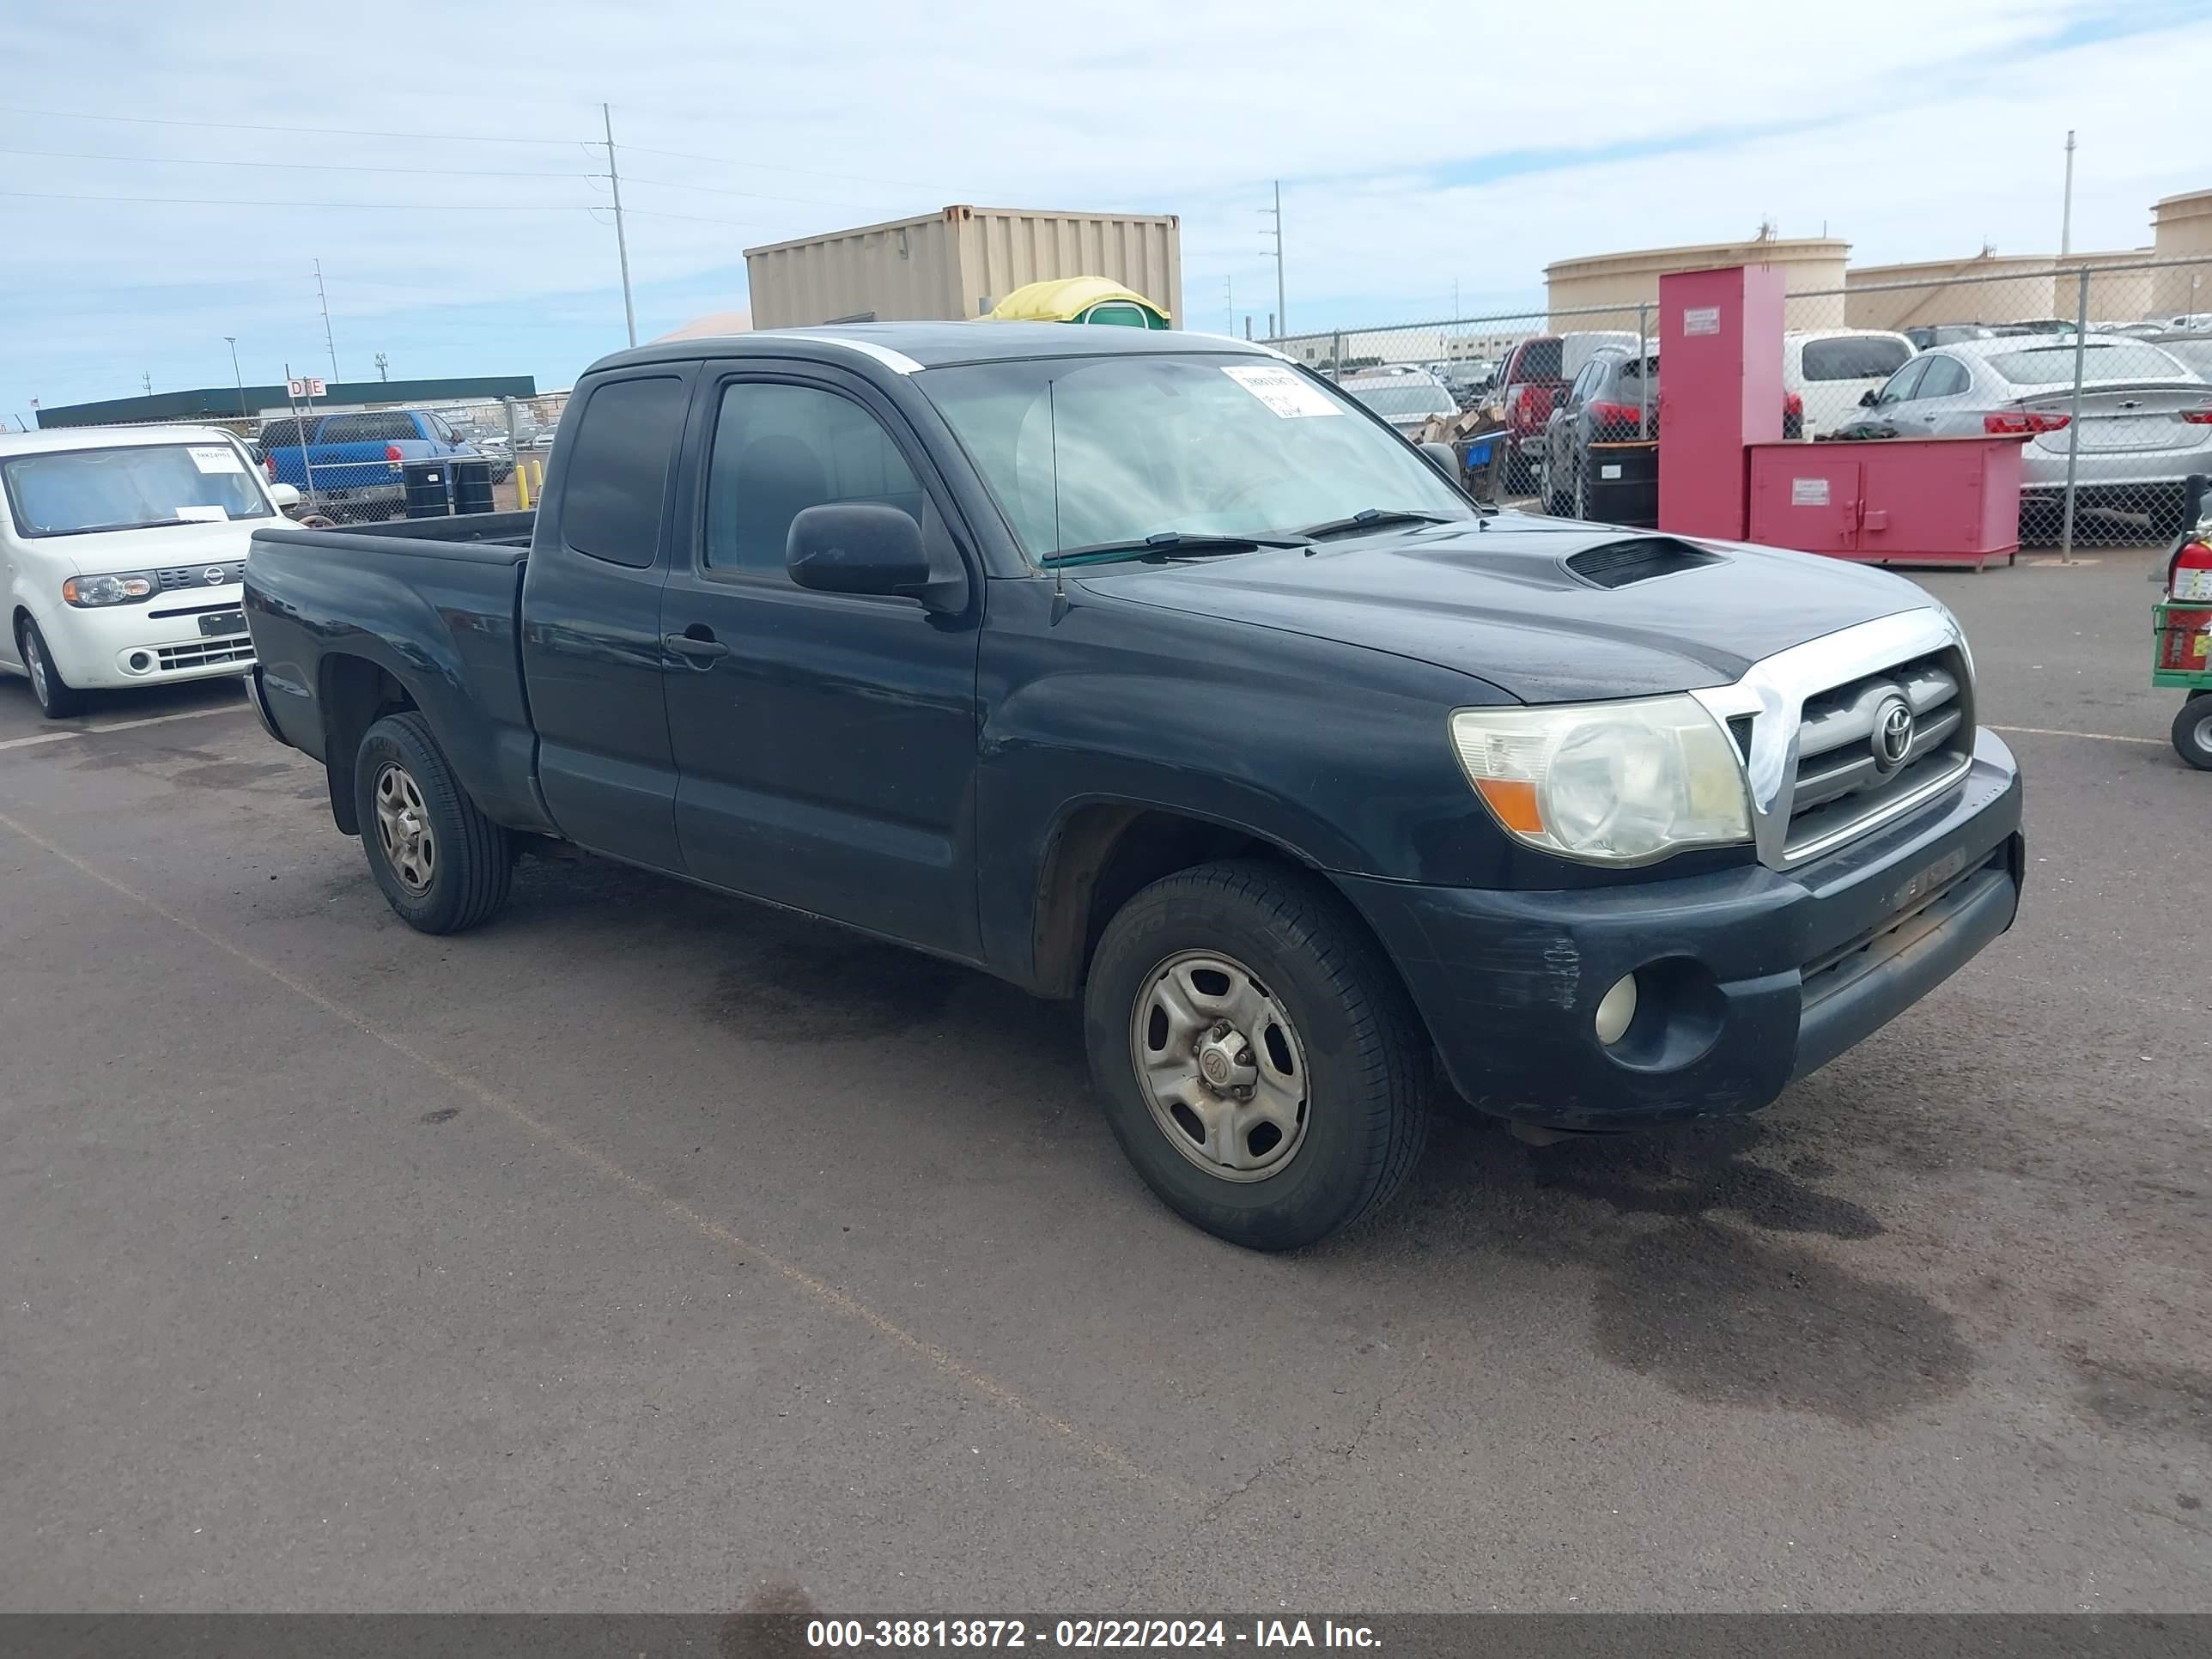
point(433, 603)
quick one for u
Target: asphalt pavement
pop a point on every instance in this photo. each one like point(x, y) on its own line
point(646, 1251)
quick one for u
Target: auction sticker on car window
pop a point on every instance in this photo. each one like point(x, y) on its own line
point(1282, 390)
point(216, 458)
point(202, 515)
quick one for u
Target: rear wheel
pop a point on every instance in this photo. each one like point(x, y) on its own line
point(2192, 731)
point(1581, 491)
point(1259, 1062)
point(58, 698)
point(444, 867)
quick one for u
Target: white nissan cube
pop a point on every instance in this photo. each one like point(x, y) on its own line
point(122, 552)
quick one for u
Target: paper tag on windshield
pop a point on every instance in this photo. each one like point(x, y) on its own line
point(1283, 391)
point(203, 515)
point(216, 458)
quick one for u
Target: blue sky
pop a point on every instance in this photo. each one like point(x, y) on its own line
point(453, 200)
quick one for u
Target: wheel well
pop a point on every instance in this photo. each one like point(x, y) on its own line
point(356, 694)
point(1102, 856)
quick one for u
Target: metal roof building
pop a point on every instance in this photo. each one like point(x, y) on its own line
point(231, 403)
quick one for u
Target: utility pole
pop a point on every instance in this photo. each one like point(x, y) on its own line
point(327, 340)
point(1282, 318)
point(2066, 218)
point(382, 364)
point(231, 340)
point(621, 241)
point(1229, 300)
point(147, 381)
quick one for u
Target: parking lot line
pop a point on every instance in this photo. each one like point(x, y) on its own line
point(2101, 737)
point(819, 1290)
point(119, 726)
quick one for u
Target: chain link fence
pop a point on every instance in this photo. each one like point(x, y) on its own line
point(353, 466)
point(2101, 369)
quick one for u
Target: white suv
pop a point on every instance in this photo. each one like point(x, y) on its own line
point(122, 553)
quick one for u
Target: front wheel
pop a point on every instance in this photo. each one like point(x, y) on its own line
point(2192, 731)
point(58, 698)
point(1259, 1061)
point(443, 865)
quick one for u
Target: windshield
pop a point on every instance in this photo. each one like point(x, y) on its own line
point(1403, 397)
point(1240, 446)
point(72, 492)
point(2102, 360)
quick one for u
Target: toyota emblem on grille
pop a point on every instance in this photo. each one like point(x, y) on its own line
point(1893, 733)
point(212, 575)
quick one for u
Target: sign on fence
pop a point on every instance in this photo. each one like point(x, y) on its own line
point(304, 388)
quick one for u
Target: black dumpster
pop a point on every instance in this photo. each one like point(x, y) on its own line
point(427, 486)
point(472, 484)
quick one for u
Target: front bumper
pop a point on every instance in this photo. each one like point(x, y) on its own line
point(1749, 979)
point(155, 643)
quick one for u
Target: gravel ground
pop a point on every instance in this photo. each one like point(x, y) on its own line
point(646, 1251)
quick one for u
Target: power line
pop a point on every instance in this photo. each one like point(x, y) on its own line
point(764, 166)
point(306, 166)
point(718, 190)
point(359, 207)
point(265, 127)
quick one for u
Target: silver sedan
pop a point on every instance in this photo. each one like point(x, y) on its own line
point(2145, 417)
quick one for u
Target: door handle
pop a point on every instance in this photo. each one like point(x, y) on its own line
point(697, 642)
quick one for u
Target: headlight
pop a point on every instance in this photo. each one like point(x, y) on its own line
point(126, 588)
point(1607, 782)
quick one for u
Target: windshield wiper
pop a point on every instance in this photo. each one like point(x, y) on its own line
point(1372, 518)
point(1168, 544)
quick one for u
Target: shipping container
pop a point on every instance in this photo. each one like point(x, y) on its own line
point(958, 263)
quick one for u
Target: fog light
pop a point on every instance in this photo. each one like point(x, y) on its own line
point(140, 662)
point(1616, 1009)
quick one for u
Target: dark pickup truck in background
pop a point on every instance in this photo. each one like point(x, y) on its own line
point(1146, 667)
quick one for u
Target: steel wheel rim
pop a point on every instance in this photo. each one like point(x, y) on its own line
point(403, 829)
point(34, 664)
point(1221, 1065)
point(2203, 735)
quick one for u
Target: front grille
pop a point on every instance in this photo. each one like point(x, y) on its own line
point(237, 647)
point(196, 575)
point(1846, 782)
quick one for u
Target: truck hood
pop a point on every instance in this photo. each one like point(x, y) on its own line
point(1502, 604)
point(154, 547)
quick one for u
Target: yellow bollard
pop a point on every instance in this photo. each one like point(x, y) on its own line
point(522, 486)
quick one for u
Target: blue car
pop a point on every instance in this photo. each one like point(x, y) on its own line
point(355, 458)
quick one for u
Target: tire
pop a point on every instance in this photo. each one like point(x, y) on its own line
point(58, 698)
point(2192, 733)
point(1547, 498)
point(1346, 1062)
point(444, 867)
point(1581, 491)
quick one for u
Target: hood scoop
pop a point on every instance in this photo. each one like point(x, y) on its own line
point(1637, 559)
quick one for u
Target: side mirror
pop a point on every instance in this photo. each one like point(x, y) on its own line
point(285, 496)
point(857, 547)
point(1444, 457)
point(1870, 398)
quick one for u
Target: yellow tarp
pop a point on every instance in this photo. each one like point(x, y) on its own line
point(1063, 299)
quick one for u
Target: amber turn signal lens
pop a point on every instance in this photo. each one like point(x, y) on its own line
point(1514, 801)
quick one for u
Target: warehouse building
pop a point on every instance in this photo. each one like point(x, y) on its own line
point(245, 407)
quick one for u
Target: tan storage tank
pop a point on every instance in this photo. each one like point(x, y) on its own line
point(958, 262)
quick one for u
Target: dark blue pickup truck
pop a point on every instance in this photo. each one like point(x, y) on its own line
point(354, 460)
point(1148, 668)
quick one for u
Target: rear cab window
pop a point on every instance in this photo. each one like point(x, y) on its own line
point(1854, 357)
point(615, 493)
point(2102, 360)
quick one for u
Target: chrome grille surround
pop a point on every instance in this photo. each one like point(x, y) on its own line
point(1807, 705)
